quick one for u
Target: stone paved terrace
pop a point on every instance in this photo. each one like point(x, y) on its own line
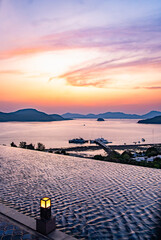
point(15, 225)
point(10, 230)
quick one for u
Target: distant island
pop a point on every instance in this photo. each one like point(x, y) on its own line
point(100, 119)
point(112, 115)
point(154, 120)
point(29, 115)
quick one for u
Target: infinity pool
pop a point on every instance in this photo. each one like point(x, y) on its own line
point(91, 199)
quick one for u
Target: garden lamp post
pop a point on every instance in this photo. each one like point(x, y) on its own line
point(46, 223)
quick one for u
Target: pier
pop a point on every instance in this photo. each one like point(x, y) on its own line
point(103, 145)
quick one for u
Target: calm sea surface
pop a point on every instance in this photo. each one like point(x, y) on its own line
point(91, 199)
point(57, 134)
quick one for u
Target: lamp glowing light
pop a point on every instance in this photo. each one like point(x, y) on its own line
point(45, 202)
point(45, 208)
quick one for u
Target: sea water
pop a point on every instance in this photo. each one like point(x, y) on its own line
point(56, 134)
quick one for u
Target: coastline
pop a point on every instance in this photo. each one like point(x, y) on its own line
point(113, 147)
point(147, 155)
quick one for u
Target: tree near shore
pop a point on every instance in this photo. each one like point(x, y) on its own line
point(22, 145)
point(30, 146)
point(127, 158)
point(152, 151)
point(40, 147)
point(13, 144)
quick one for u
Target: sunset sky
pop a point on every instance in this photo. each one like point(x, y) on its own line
point(80, 55)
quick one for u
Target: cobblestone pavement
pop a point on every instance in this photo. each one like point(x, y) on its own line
point(12, 231)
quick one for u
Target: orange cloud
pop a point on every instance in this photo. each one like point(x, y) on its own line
point(22, 51)
point(11, 72)
point(102, 74)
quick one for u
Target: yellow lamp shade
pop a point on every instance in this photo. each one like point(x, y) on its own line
point(45, 202)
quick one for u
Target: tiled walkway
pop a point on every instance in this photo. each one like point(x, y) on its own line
point(12, 231)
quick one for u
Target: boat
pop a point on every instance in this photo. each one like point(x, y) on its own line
point(78, 140)
point(101, 140)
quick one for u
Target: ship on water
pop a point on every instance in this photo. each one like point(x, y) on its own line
point(78, 140)
point(101, 140)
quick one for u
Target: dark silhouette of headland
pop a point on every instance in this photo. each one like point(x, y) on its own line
point(155, 120)
point(29, 115)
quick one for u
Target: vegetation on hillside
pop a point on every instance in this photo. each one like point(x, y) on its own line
point(40, 146)
point(127, 157)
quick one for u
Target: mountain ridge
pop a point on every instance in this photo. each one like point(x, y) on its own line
point(33, 115)
point(113, 115)
point(29, 115)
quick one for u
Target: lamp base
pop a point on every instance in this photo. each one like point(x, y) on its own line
point(45, 226)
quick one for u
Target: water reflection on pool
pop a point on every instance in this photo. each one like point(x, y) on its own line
point(92, 199)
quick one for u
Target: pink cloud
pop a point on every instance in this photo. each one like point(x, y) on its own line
point(133, 39)
point(149, 88)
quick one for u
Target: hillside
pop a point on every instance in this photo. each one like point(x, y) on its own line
point(112, 115)
point(29, 115)
point(57, 117)
point(155, 120)
point(151, 114)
